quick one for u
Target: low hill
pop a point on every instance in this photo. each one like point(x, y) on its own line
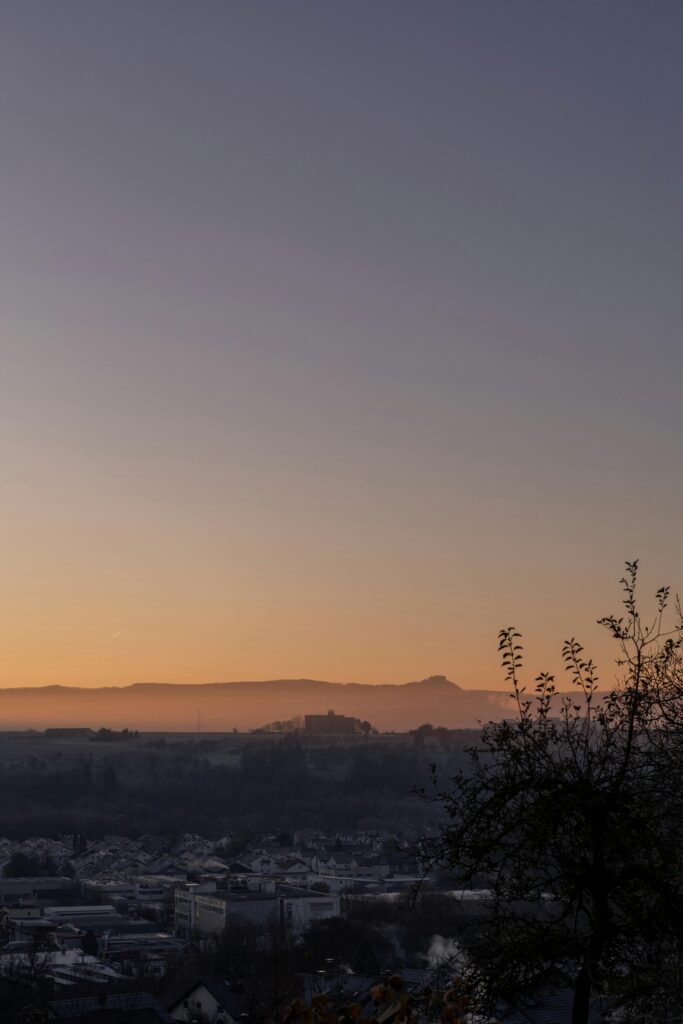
point(247, 705)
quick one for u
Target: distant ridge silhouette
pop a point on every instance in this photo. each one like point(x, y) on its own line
point(248, 704)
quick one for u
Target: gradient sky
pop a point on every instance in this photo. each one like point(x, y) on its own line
point(335, 335)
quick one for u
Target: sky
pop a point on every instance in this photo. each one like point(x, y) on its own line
point(335, 335)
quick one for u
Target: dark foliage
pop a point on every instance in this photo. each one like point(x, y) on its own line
point(571, 813)
point(113, 736)
point(89, 944)
point(29, 865)
point(171, 789)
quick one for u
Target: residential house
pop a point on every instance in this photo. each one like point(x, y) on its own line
point(215, 998)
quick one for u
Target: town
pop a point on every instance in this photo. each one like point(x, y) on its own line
point(145, 924)
point(232, 924)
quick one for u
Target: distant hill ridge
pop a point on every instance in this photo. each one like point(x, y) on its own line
point(247, 704)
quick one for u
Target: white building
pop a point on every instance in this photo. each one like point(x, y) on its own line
point(208, 913)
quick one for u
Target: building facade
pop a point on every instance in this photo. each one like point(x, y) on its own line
point(331, 724)
point(205, 913)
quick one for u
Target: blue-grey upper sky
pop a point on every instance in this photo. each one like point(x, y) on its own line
point(335, 334)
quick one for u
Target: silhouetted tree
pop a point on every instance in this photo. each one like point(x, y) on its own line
point(366, 960)
point(110, 780)
point(571, 813)
point(89, 944)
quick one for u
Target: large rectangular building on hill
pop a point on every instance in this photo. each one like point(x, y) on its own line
point(331, 724)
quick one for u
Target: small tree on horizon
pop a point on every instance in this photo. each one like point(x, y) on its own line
point(571, 814)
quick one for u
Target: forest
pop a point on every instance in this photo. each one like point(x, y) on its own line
point(173, 788)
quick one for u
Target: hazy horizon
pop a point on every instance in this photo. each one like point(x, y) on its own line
point(229, 682)
point(249, 705)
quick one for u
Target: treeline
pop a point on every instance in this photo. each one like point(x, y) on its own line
point(114, 736)
point(31, 865)
point(276, 785)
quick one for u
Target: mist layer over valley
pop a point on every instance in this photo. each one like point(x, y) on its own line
point(249, 705)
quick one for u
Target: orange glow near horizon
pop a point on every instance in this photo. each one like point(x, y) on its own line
point(102, 605)
point(311, 373)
